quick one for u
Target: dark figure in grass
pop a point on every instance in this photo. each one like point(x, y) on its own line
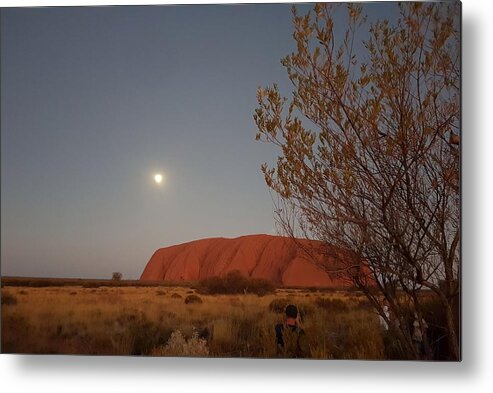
point(290, 336)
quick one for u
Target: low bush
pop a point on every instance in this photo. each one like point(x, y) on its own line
point(191, 299)
point(306, 309)
point(279, 305)
point(212, 285)
point(235, 302)
point(135, 334)
point(334, 305)
point(260, 286)
point(176, 296)
point(91, 285)
point(8, 299)
point(16, 333)
point(178, 345)
point(364, 304)
point(235, 283)
point(246, 334)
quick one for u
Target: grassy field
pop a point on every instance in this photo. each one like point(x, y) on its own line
point(170, 321)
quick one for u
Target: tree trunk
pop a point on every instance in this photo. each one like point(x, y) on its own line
point(453, 342)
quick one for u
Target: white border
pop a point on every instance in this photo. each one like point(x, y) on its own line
point(88, 374)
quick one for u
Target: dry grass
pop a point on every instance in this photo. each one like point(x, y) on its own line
point(141, 321)
point(8, 299)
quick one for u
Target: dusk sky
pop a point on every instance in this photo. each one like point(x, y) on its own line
point(95, 101)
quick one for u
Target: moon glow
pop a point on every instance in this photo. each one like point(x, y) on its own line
point(158, 178)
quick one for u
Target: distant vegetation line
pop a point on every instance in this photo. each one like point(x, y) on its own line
point(16, 281)
point(86, 282)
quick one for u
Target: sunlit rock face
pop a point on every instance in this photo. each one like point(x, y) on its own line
point(276, 258)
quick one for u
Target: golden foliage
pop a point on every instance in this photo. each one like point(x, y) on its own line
point(369, 142)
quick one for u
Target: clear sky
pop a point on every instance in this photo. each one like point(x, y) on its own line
point(94, 101)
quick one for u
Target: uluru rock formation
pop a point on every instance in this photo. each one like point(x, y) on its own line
point(275, 258)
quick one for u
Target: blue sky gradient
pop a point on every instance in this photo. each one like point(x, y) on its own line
point(95, 100)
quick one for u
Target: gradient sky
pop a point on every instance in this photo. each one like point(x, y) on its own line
point(94, 101)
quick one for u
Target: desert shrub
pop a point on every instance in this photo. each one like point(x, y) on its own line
point(191, 299)
point(235, 301)
point(249, 334)
point(8, 299)
point(188, 292)
point(91, 284)
point(23, 292)
point(235, 283)
point(165, 315)
point(246, 328)
point(16, 331)
point(73, 293)
point(69, 330)
point(306, 309)
point(178, 345)
point(355, 336)
point(135, 334)
point(159, 292)
point(332, 305)
point(279, 305)
point(232, 283)
point(260, 286)
point(344, 335)
point(212, 285)
point(364, 304)
point(176, 296)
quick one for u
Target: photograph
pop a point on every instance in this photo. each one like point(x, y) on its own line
point(263, 181)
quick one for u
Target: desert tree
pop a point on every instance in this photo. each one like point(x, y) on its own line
point(369, 158)
point(116, 276)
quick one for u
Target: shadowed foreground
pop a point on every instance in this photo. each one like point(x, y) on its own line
point(175, 321)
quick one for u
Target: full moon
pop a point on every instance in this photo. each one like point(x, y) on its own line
point(158, 178)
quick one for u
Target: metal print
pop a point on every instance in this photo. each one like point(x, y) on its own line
point(263, 181)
